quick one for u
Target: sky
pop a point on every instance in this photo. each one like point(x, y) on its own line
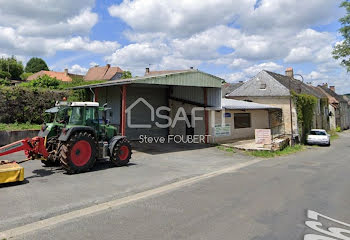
point(230, 39)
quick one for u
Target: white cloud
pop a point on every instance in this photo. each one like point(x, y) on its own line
point(43, 27)
point(77, 69)
point(178, 18)
point(269, 66)
point(299, 54)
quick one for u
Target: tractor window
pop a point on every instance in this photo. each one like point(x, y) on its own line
point(77, 116)
point(91, 116)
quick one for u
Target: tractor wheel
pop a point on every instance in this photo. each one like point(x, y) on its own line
point(121, 153)
point(78, 154)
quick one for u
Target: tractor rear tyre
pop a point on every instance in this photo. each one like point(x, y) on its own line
point(121, 153)
point(78, 154)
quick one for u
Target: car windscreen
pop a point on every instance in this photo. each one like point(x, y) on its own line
point(319, 133)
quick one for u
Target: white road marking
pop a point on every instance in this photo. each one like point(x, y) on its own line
point(31, 227)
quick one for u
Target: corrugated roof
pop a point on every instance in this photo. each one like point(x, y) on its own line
point(193, 78)
point(153, 73)
point(102, 73)
point(244, 105)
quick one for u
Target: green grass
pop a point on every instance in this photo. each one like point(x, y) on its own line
point(19, 126)
point(334, 134)
point(270, 154)
point(226, 149)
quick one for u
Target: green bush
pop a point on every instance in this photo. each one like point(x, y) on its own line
point(5, 75)
point(44, 81)
point(5, 82)
point(305, 110)
point(27, 105)
point(26, 75)
point(338, 129)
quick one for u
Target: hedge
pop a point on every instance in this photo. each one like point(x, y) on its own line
point(25, 105)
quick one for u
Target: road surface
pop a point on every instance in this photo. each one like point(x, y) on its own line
point(265, 199)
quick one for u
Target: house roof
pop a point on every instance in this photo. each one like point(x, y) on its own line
point(102, 73)
point(227, 88)
point(333, 94)
point(244, 105)
point(65, 77)
point(332, 100)
point(193, 78)
point(296, 85)
point(276, 85)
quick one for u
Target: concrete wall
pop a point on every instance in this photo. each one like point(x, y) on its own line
point(7, 137)
point(280, 102)
point(259, 120)
point(180, 127)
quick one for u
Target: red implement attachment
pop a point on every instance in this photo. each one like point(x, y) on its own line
point(33, 147)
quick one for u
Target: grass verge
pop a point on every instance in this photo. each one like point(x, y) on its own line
point(19, 126)
point(226, 149)
point(334, 134)
point(270, 154)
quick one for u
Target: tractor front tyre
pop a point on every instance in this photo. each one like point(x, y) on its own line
point(78, 154)
point(121, 153)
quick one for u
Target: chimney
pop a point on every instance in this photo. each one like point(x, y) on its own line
point(66, 72)
point(325, 85)
point(332, 88)
point(147, 71)
point(290, 72)
point(108, 66)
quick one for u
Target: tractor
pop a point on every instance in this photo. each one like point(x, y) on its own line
point(78, 136)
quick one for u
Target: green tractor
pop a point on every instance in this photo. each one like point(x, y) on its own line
point(79, 135)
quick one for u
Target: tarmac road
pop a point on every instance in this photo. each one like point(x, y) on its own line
point(265, 200)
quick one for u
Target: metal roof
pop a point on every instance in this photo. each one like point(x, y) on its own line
point(191, 77)
point(244, 105)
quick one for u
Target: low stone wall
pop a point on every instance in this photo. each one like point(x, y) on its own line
point(7, 137)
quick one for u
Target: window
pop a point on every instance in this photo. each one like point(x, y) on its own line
point(242, 120)
point(262, 86)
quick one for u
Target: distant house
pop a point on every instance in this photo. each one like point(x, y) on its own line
point(340, 105)
point(104, 73)
point(63, 76)
point(275, 90)
point(227, 88)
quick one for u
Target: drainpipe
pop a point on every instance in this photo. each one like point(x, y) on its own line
point(93, 94)
point(123, 122)
point(291, 113)
point(206, 120)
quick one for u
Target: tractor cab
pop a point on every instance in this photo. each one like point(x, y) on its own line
point(90, 114)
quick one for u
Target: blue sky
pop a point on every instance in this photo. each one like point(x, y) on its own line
point(231, 39)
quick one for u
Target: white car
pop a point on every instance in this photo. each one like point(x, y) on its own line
point(318, 137)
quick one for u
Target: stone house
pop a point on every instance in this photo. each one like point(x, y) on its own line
point(340, 105)
point(275, 90)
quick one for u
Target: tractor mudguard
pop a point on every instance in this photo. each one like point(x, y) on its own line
point(43, 133)
point(65, 136)
point(113, 142)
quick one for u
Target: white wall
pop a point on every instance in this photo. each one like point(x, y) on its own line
point(259, 120)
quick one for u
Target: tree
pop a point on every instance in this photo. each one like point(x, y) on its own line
point(12, 66)
point(342, 50)
point(126, 74)
point(35, 65)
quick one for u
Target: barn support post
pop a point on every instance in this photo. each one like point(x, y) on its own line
point(123, 112)
point(206, 119)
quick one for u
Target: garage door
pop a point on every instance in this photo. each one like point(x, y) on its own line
point(141, 114)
